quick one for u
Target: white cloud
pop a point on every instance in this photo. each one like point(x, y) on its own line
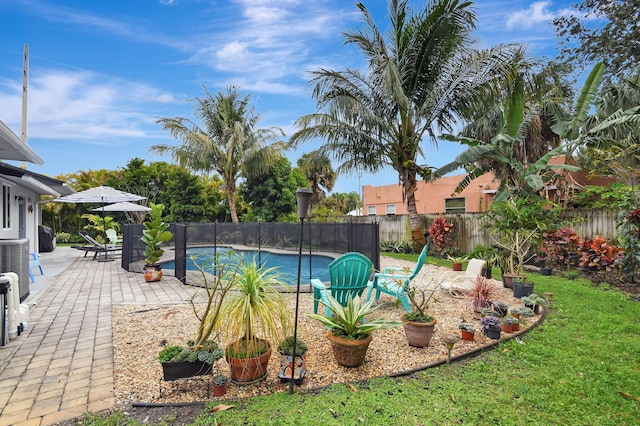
point(81, 105)
point(537, 13)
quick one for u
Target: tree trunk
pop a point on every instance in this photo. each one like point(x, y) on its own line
point(232, 205)
point(417, 235)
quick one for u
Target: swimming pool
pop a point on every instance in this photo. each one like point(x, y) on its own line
point(287, 264)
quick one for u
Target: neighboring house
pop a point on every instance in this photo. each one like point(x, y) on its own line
point(562, 189)
point(432, 197)
point(20, 208)
point(438, 196)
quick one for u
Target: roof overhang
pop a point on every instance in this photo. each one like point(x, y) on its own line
point(13, 148)
point(40, 184)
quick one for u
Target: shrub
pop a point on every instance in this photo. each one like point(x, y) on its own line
point(441, 233)
point(598, 255)
point(559, 248)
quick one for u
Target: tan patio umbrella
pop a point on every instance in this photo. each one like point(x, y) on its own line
point(103, 195)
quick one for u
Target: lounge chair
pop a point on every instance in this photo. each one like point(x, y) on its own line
point(94, 246)
point(457, 283)
point(395, 281)
point(349, 275)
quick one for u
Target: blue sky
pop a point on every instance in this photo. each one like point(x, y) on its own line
point(102, 72)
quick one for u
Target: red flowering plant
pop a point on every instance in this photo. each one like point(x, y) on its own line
point(441, 233)
point(597, 255)
point(559, 248)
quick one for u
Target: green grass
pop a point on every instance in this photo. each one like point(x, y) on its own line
point(580, 367)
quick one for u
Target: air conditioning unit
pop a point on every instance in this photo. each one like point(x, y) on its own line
point(14, 257)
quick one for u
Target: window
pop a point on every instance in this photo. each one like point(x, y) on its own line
point(371, 210)
point(6, 206)
point(454, 205)
point(391, 209)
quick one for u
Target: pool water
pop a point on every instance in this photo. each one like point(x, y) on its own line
point(316, 266)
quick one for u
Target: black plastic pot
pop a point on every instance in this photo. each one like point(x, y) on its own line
point(522, 288)
point(493, 333)
point(184, 369)
point(545, 271)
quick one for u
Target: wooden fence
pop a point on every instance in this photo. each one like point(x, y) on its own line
point(469, 233)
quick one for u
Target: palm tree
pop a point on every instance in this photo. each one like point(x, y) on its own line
point(419, 78)
point(317, 168)
point(228, 142)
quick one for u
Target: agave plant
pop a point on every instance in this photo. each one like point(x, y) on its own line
point(348, 322)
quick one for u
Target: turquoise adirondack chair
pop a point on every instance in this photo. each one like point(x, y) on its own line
point(349, 276)
point(395, 281)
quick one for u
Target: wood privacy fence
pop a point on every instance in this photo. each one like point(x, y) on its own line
point(469, 233)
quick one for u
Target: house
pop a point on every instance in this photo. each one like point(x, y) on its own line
point(432, 197)
point(20, 209)
point(438, 197)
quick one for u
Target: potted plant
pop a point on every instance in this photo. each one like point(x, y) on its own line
point(513, 226)
point(457, 261)
point(418, 325)
point(510, 324)
point(488, 254)
point(522, 288)
point(179, 362)
point(481, 294)
point(522, 312)
point(467, 330)
point(533, 302)
point(491, 326)
point(155, 234)
point(219, 385)
point(348, 334)
point(288, 361)
point(254, 305)
point(500, 308)
point(197, 356)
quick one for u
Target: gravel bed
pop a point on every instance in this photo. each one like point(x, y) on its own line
point(139, 331)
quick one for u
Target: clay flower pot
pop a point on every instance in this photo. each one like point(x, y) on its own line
point(418, 334)
point(347, 352)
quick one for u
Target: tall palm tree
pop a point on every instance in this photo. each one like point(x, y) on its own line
point(419, 78)
point(316, 167)
point(228, 143)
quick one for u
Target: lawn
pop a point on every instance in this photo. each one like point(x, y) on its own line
point(581, 366)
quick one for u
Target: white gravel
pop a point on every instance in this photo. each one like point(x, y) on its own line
point(140, 330)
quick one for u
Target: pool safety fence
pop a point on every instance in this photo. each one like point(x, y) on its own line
point(324, 238)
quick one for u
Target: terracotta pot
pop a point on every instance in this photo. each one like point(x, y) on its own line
point(456, 266)
point(507, 279)
point(466, 335)
point(515, 327)
point(418, 334)
point(152, 273)
point(349, 353)
point(249, 370)
point(507, 328)
point(219, 390)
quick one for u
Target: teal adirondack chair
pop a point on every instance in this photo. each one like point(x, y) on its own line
point(349, 276)
point(395, 281)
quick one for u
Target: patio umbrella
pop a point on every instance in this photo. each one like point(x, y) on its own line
point(103, 195)
point(124, 206)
